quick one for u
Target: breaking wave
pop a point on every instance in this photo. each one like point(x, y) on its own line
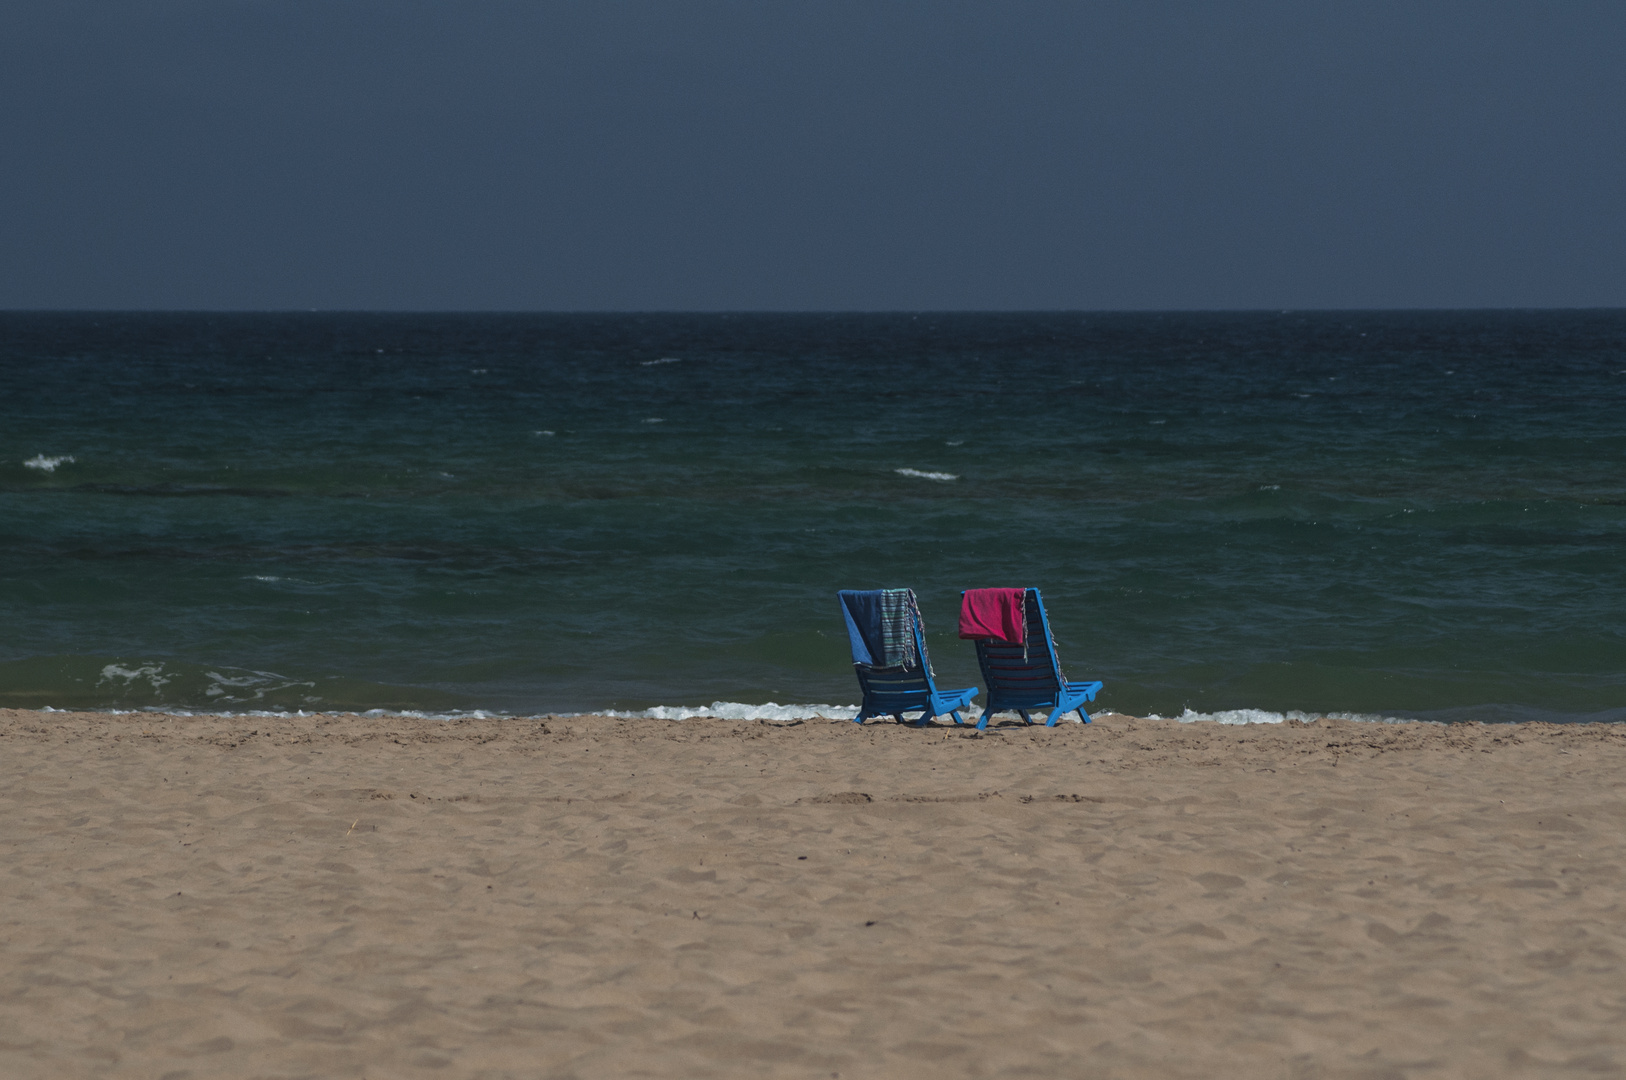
point(735, 710)
point(1264, 716)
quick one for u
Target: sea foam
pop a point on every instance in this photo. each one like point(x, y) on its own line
point(1264, 716)
point(735, 710)
point(152, 673)
point(772, 711)
point(47, 464)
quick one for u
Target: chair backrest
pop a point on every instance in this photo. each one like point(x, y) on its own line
point(1027, 673)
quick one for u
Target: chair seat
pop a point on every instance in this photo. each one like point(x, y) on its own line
point(893, 693)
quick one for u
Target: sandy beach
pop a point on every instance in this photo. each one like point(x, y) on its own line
point(342, 896)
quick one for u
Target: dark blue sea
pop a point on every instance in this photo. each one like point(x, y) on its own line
point(1240, 516)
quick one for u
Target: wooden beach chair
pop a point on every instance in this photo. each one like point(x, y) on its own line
point(889, 657)
point(1026, 675)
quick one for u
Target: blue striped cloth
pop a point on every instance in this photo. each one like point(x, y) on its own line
point(881, 626)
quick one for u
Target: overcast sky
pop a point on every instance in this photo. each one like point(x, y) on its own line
point(482, 154)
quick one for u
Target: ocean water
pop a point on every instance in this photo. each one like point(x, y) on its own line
point(1392, 514)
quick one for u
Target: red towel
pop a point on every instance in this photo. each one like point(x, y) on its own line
point(993, 613)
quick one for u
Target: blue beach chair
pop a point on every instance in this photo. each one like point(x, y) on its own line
point(1028, 676)
point(890, 659)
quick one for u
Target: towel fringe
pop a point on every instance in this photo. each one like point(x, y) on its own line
point(924, 659)
point(1026, 635)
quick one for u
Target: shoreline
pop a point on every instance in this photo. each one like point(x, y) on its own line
point(350, 895)
point(786, 715)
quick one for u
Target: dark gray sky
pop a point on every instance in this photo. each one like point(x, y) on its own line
point(392, 154)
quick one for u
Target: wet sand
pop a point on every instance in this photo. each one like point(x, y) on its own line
point(587, 897)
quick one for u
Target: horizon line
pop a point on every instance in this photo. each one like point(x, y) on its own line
point(914, 312)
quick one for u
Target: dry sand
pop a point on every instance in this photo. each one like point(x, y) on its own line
point(587, 897)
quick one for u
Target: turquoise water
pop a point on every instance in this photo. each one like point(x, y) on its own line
point(1398, 514)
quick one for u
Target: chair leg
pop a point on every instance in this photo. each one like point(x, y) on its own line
point(1023, 713)
point(1065, 707)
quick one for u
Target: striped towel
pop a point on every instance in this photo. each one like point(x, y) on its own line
point(898, 614)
